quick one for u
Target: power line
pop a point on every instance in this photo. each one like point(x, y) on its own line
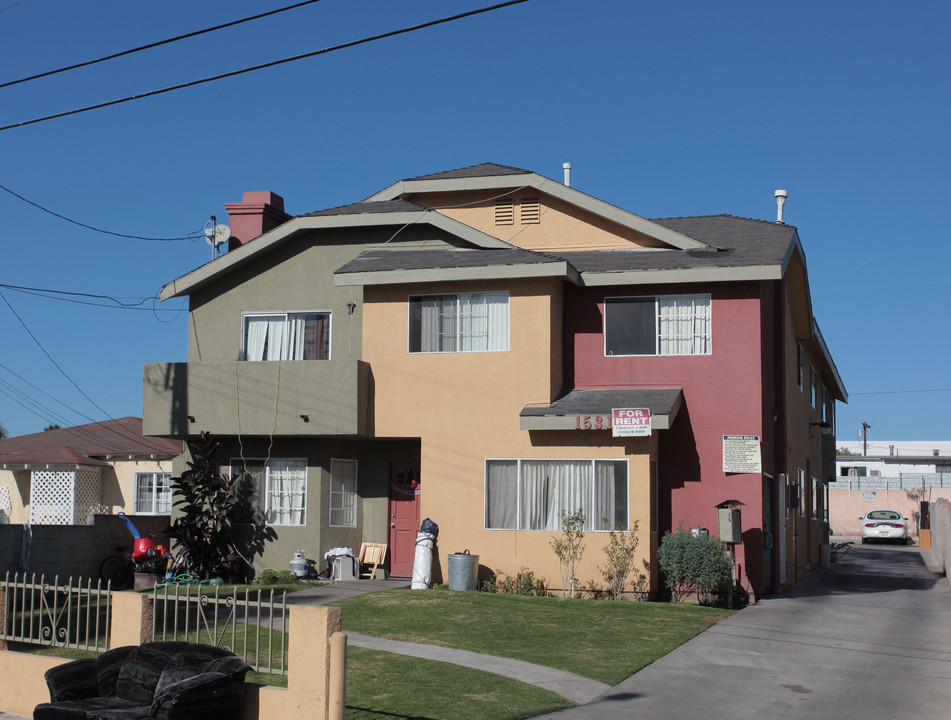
point(193, 236)
point(274, 63)
point(196, 33)
point(900, 392)
point(118, 304)
point(56, 364)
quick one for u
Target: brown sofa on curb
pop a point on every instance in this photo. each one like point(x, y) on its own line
point(162, 680)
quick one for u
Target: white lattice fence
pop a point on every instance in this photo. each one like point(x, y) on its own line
point(64, 496)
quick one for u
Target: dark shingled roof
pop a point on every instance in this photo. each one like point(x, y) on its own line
point(483, 170)
point(383, 260)
point(734, 242)
point(660, 401)
point(86, 444)
point(361, 208)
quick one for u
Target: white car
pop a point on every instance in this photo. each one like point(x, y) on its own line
point(884, 525)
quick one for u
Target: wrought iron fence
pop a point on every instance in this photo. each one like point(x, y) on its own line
point(37, 612)
point(249, 623)
point(904, 481)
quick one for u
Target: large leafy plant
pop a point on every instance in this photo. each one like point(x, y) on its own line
point(217, 524)
point(693, 564)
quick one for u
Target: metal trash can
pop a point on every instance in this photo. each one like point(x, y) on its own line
point(463, 571)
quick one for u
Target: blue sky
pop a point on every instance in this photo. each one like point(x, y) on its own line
point(664, 109)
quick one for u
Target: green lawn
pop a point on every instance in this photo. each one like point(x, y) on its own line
point(603, 640)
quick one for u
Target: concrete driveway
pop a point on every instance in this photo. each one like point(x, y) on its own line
point(870, 637)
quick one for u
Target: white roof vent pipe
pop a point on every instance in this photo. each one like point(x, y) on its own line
point(567, 169)
point(781, 196)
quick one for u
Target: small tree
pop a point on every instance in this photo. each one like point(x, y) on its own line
point(3, 432)
point(211, 505)
point(569, 548)
point(693, 564)
point(619, 556)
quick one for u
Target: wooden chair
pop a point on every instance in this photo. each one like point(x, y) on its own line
point(371, 557)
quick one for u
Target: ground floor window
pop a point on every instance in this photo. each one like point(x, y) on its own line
point(280, 487)
point(531, 494)
point(153, 493)
point(343, 493)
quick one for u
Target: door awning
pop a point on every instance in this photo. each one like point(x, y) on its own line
point(569, 411)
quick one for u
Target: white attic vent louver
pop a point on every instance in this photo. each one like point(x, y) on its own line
point(505, 212)
point(530, 211)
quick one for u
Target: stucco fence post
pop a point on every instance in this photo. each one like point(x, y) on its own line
point(308, 693)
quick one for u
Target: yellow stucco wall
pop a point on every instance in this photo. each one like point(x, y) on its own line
point(307, 693)
point(465, 408)
point(117, 488)
point(561, 226)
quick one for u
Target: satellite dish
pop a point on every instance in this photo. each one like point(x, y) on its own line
point(216, 235)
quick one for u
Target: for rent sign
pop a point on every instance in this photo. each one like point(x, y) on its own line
point(627, 422)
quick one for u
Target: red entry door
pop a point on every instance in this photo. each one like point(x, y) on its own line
point(404, 517)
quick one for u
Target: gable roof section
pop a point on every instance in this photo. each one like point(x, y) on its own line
point(91, 444)
point(397, 213)
point(489, 176)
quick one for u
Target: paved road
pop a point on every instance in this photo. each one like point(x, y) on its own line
point(870, 637)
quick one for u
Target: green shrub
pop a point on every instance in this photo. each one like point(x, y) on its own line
point(693, 564)
point(277, 577)
point(619, 555)
point(523, 582)
point(569, 548)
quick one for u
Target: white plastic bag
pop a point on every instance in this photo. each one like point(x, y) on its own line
point(423, 561)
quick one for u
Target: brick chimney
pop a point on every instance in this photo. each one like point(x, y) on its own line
point(257, 213)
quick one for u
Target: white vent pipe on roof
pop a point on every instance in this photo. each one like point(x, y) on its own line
point(567, 169)
point(781, 196)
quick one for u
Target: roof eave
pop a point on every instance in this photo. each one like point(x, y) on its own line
point(187, 284)
point(683, 275)
point(455, 274)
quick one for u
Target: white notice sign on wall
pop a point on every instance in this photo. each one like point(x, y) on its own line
point(742, 454)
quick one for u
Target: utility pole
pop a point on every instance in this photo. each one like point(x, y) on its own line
point(865, 427)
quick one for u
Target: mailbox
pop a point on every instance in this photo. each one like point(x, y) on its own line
point(731, 529)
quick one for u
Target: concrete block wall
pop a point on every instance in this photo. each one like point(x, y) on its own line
point(74, 550)
point(308, 693)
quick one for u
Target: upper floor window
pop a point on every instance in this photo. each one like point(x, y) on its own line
point(801, 363)
point(287, 336)
point(673, 325)
point(153, 493)
point(814, 381)
point(467, 322)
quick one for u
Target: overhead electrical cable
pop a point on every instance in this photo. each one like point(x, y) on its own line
point(117, 428)
point(186, 36)
point(899, 392)
point(192, 236)
point(273, 63)
point(118, 304)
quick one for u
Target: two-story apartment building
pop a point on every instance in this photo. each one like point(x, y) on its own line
point(459, 346)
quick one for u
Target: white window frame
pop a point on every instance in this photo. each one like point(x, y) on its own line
point(497, 332)
point(260, 470)
point(801, 485)
point(152, 493)
point(702, 314)
point(591, 524)
point(343, 494)
point(287, 315)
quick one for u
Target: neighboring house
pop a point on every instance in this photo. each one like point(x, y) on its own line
point(456, 346)
point(903, 475)
point(896, 460)
point(59, 477)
